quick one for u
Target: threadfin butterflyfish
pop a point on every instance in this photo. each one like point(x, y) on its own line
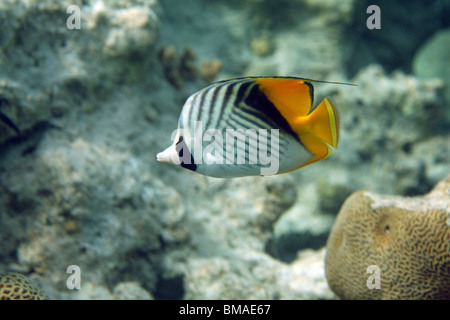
point(253, 126)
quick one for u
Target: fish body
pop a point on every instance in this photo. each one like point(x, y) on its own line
point(253, 126)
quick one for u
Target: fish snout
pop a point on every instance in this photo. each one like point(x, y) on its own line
point(169, 155)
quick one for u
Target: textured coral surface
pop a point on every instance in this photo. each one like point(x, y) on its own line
point(408, 239)
point(15, 286)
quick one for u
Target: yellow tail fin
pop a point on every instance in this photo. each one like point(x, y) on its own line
point(325, 123)
point(319, 130)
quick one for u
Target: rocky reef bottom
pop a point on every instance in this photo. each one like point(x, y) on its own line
point(380, 247)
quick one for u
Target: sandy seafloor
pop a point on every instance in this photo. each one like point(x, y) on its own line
point(81, 185)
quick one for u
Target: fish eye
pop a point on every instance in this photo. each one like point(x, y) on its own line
point(180, 149)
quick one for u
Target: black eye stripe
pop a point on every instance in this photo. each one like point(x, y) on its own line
point(185, 156)
point(180, 140)
point(179, 147)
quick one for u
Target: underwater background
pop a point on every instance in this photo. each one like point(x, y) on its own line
point(96, 101)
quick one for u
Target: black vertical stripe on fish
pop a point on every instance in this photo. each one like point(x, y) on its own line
point(208, 106)
point(259, 101)
point(236, 121)
point(183, 152)
point(186, 120)
point(242, 87)
point(240, 137)
point(226, 98)
point(242, 141)
point(253, 146)
point(241, 94)
point(211, 105)
point(200, 105)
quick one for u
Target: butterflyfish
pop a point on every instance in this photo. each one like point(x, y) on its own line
point(253, 126)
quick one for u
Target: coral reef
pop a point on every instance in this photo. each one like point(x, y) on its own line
point(81, 185)
point(408, 239)
point(408, 111)
point(178, 69)
point(210, 69)
point(15, 286)
point(58, 71)
point(72, 192)
point(257, 276)
point(261, 45)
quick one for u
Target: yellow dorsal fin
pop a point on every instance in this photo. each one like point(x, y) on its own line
point(291, 96)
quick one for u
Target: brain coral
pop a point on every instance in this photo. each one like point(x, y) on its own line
point(408, 239)
point(14, 286)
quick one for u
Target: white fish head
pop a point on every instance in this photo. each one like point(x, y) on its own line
point(169, 155)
